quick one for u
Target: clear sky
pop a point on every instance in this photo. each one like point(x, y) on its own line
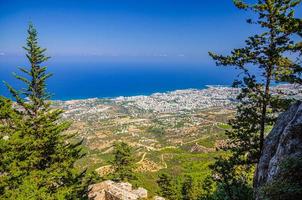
point(129, 29)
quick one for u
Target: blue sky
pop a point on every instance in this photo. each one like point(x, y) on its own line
point(125, 29)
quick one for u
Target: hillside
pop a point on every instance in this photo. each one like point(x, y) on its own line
point(176, 132)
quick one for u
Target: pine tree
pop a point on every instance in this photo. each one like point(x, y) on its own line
point(189, 189)
point(266, 51)
point(123, 162)
point(168, 188)
point(38, 157)
point(258, 107)
point(208, 188)
point(232, 181)
point(6, 113)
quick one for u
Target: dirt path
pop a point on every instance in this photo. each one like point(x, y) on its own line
point(163, 162)
point(142, 159)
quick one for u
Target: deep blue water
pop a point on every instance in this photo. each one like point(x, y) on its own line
point(80, 80)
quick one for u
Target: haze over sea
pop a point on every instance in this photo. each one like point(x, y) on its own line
point(89, 79)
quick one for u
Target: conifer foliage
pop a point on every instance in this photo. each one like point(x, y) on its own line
point(123, 162)
point(258, 107)
point(168, 187)
point(37, 156)
point(267, 52)
point(189, 190)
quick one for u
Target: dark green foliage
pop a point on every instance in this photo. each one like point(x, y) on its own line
point(37, 157)
point(233, 181)
point(168, 187)
point(178, 188)
point(6, 113)
point(288, 183)
point(34, 79)
point(258, 107)
point(208, 190)
point(244, 139)
point(189, 189)
point(123, 162)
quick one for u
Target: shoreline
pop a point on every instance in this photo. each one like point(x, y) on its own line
point(205, 87)
point(140, 95)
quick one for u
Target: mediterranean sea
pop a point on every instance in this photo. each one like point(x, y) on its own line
point(81, 80)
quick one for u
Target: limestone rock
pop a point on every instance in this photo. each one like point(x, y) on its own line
point(109, 190)
point(284, 141)
point(141, 192)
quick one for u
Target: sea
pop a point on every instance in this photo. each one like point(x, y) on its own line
point(97, 79)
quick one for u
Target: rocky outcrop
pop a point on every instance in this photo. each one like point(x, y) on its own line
point(109, 190)
point(284, 141)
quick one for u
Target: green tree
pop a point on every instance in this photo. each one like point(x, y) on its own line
point(267, 52)
point(6, 113)
point(232, 181)
point(208, 189)
point(123, 162)
point(189, 190)
point(37, 156)
point(168, 187)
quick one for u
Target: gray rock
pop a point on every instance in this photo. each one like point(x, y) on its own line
point(284, 141)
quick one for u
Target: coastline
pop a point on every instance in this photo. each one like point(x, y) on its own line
point(287, 88)
point(142, 94)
